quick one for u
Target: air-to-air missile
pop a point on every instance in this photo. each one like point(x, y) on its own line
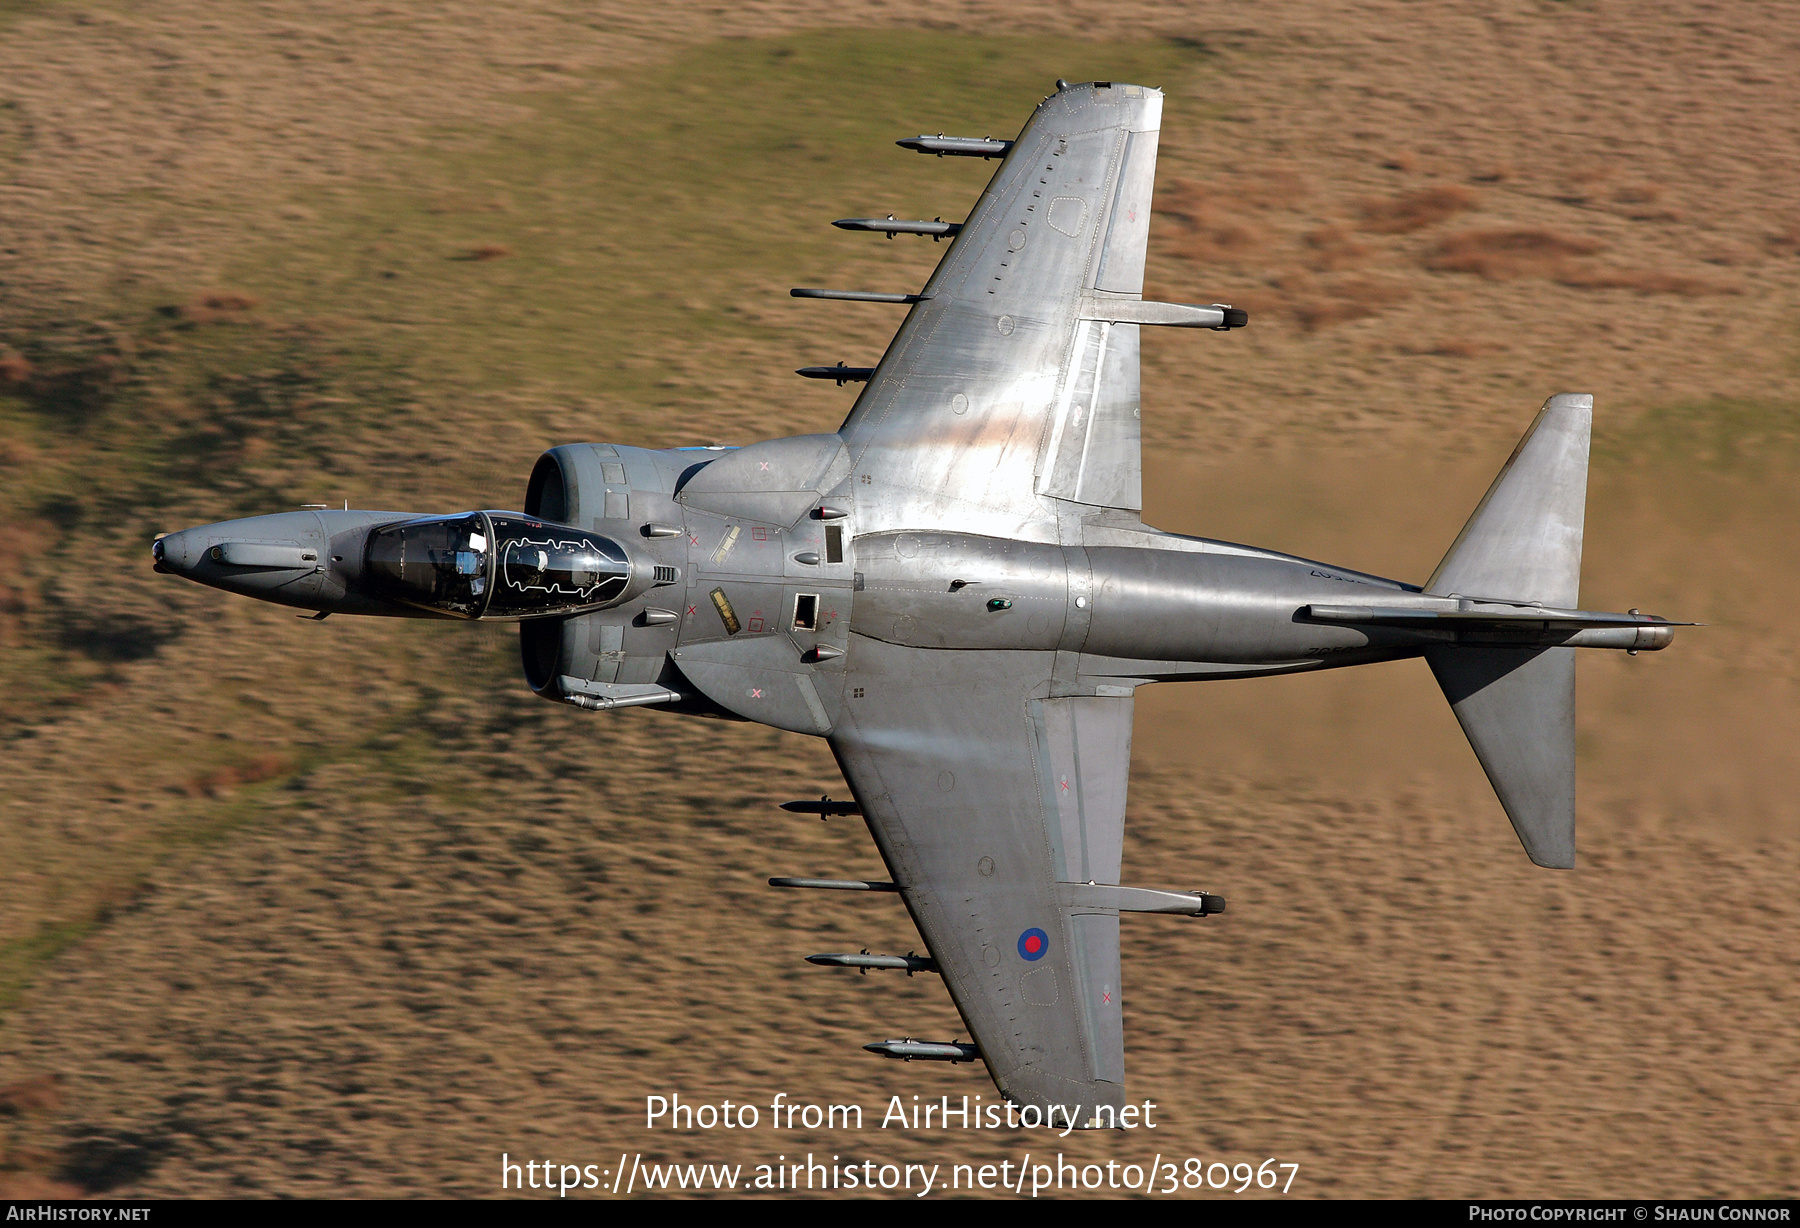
point(832, 884)
point(900, 963)
point(937, 228)
point(840, 373)
point(910, 1050)
point(824, 807)
point(956, 146)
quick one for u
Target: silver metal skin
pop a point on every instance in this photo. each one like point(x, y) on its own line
point(956, 589)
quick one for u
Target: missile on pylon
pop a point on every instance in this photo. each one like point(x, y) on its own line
point(833, 884)
point(840, 373)
point(956, 146)
point(909, 1050)
point(908, 964)
point(824, 806)
point(857, 296)
point(891, 226)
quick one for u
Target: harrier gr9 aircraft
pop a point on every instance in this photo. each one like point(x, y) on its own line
point(956, 590)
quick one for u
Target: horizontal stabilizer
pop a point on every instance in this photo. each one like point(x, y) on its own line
point(1524, 541)
point(1517, 706)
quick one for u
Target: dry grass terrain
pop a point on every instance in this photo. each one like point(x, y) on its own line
point(340, 909)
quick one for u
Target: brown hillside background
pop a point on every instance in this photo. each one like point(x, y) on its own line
point(340, 909)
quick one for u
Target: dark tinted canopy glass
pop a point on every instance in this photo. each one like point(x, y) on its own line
point(553, 569)
point(494, 565)
point(439, 562)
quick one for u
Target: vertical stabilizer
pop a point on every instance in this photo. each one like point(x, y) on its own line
point(1524, 541)
point(1518, 707)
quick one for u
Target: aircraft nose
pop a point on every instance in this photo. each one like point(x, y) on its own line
point(172, 553)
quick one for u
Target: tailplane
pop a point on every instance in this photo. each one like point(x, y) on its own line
point(1517, 704)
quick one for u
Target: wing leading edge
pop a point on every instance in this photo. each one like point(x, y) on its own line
point(1011, 384)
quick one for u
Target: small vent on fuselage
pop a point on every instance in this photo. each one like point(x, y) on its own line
point(667, 575)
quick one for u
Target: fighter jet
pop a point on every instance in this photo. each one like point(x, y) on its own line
point(957, 591)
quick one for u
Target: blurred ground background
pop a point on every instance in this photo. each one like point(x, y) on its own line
point(340, 909)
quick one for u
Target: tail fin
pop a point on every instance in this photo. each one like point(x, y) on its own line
point(1524, 541)
point(1517, 705)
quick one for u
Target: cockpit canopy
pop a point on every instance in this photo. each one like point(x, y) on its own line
point(494, 565)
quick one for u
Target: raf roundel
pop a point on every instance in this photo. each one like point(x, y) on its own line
point(1033, 943)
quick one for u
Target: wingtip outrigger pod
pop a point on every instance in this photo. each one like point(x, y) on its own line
point(1220, 317)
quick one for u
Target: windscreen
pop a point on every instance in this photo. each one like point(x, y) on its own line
point(438, 562)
